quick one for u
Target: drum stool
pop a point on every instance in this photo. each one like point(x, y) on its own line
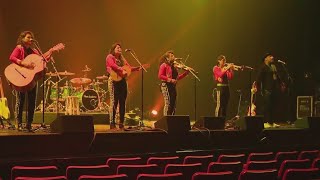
point(72, 105)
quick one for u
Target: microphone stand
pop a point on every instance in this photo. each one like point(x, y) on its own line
point(195, 88)
point(133, 54)
point(290, 82)
point(44, 61)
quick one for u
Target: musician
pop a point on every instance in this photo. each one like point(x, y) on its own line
point(168, 74)
point(118, 89)
point(22, 50)
point(222, 73)
point(267, 84)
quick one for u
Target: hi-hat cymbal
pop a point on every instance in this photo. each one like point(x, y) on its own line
point(51, 74)
point(104, 77)
point(80, 81)
point(66, 73)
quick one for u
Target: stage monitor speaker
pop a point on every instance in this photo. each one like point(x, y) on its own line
point(254, 123)
point(212, 123)
point(174, 124)
point(73, 124)
point(314, 123)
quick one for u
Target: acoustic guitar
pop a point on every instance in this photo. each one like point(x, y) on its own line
point(4, 110)
point(126, 72)
point(24, 79)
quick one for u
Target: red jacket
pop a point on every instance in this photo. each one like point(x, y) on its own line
point(165, 73)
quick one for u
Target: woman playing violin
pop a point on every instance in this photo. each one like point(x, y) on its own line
point(169, 76)
point(222, 73)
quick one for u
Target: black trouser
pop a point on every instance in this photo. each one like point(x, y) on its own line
point(31, 104)
point(169, 93)
point(118, 94)
point(268, 98)
point(222, 95)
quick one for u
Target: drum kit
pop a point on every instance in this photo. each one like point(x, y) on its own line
point(90, 93)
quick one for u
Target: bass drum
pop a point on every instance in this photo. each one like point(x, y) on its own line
point(89, 99)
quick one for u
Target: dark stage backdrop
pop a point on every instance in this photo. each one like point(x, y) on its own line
point(242, 30)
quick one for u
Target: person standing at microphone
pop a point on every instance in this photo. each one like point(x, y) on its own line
point(115, 62)
point(21, 51)
point(267, 84)
point(222, 73)
point(169, 76)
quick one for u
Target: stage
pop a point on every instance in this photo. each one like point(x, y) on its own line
point(103, 141)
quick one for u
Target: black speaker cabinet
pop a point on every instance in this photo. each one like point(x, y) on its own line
point(174, 124)
point(73, 124)
point(213, 123)
point(251, 123)
point(254, 123)
point(314, 123)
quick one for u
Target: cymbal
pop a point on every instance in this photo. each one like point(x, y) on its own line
point(86, 70)
point(51, 74)
point(66, 73)
point(104, 77)
point(80, 81)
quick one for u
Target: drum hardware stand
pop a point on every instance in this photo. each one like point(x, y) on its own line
point(133, 54)
point(56, 105)
point(46, 86)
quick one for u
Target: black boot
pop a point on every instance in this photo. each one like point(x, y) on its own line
point(113, 125)
point(29, 128)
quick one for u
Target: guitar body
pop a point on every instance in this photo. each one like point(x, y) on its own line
point(116, 76)
point(24, 79)
point(252, 107)
point(4, 110)
point(252, 110)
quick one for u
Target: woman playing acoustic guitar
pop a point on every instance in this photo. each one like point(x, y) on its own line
point(118, 68)
point(22, 50)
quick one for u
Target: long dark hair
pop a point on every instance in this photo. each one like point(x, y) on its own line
point(23, 35)
point(111, 51)
point(220, 57)
point(165, 57)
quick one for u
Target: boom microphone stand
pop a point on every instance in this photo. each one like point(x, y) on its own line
point(44, 62)
point(195, 87)
point(133, 54)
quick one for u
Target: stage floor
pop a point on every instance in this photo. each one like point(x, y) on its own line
point(103, 141)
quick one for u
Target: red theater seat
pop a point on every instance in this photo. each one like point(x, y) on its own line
point(174, 176)
point(74, 172)
point(270, 174)
point(132, 171)
point(116, 177)
point(227, 175)
point(163, 161)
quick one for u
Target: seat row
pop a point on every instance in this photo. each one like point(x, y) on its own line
point(132, 167)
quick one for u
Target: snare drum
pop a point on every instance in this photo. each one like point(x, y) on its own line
point(89, 99)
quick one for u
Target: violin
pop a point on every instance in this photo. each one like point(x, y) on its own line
point(183, 66)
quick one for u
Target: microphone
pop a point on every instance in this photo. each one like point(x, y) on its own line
point(33, 40)
point(177, 58)
point(282, 62)
point(127, 50)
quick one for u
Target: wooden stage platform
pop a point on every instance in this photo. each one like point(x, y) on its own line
point(45, 144)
